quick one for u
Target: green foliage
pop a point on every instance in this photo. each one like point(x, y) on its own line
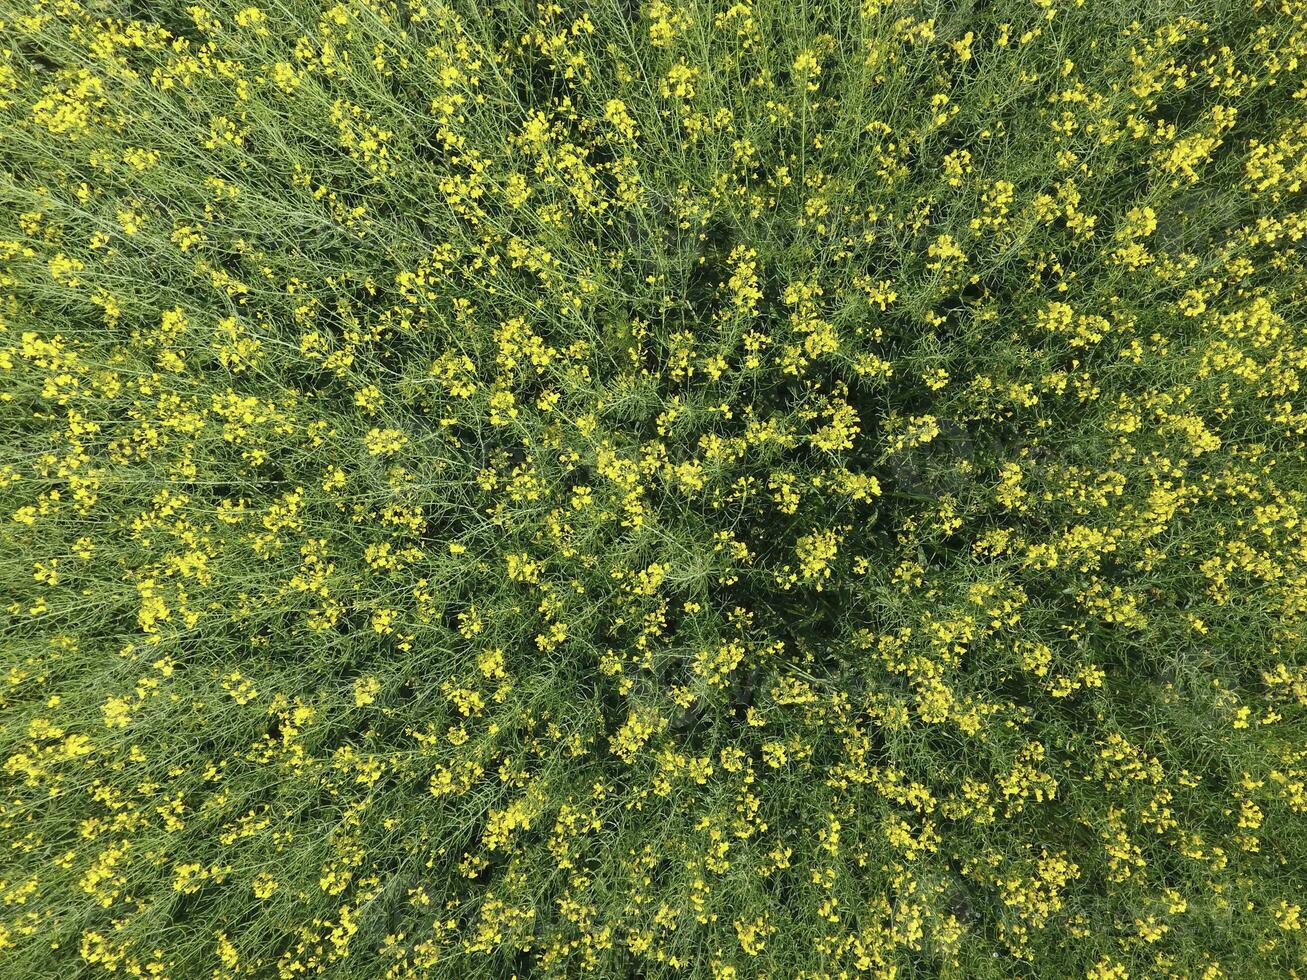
point(755, 489)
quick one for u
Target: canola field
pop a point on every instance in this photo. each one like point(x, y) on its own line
point(726, 489)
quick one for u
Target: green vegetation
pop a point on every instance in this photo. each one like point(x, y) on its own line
point(762, 489)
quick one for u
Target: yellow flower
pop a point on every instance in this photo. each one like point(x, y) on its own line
point(366, 690)
point(385, 442)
